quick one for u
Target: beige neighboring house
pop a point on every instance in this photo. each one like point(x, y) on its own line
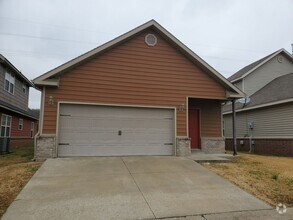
point(264, 119)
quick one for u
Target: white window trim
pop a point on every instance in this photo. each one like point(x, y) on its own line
point(32, 129)
point(11, 79)
point(24, 89)
point(7, 116)
point(20, 123)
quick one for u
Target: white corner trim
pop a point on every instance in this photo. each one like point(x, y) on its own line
point(41, 119)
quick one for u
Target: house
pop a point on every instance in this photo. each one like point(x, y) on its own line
point(18, 123)
point(143, 93)
point(253, 77)
point(264, 118)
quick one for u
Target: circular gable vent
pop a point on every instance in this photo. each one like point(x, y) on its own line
point(150, 40)
point(280, 59)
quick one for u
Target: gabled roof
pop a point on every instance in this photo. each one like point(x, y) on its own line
point(253, 66)
point(51, 78)
point(6, 62)
point(279, 90)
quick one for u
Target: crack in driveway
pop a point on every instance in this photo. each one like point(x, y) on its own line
point(138, 188)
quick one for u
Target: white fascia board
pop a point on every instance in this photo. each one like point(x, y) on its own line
point(50, 82)
point(93, 52)
point(262, 63)
point(111, 43)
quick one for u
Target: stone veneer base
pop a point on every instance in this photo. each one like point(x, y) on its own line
point(45, 147)
point(213, 145)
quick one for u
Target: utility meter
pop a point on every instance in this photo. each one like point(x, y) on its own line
point(250, 125)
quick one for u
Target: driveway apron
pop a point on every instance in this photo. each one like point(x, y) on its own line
point(126, 188)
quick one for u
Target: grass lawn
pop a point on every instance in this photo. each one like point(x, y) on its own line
point(269, 178)
point(16, 170)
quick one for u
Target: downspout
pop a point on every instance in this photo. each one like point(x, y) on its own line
point(40, 123)
point(234, 128)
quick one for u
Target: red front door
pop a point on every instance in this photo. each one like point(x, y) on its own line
point(193, 127)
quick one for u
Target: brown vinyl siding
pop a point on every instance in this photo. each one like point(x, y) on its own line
point(210, 112)
point(135, 74)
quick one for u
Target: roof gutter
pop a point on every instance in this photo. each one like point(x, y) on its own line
point(261, 106)
point(18, 112)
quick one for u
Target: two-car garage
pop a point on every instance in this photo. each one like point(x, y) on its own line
point(101, 130)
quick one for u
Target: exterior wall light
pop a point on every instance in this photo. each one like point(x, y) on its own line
point(51, 100)
point(181, 108)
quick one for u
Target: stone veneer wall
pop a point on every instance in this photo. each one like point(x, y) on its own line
point(213, 145)
point(45, 147)
point(183, 146)
point(278, 147)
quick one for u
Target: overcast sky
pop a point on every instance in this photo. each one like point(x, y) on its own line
point(37, 36)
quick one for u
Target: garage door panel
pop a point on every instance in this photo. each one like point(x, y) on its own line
point(94, 131)
point(114, 122)
point(110, 150)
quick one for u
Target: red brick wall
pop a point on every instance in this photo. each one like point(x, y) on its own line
point(278, 147)
point(21, 142)
point(25, 132)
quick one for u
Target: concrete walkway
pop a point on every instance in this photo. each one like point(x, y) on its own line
point(246, 215)
point(127, 188)
point(202, 157)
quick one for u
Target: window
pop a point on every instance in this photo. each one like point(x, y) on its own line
point(23, 88)
point(9, 82)
point(5, 125)
point(32, 129)
point(20, 124)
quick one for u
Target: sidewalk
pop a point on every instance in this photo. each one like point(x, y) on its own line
point(201, 157)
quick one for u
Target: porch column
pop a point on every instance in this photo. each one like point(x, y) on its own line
point(234, 128)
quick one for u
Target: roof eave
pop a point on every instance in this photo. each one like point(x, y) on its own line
point(233, 95)
point(262, 63)
point(93, 52)
point(217, 76)
point(18, 112)
point(6, 61)
point(48, 82)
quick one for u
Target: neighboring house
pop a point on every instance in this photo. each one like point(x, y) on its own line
point(264, 124)
point(17, 121)
point(143, 93)
point(253, 77)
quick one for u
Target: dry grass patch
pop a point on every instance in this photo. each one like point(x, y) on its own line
point(16, 170)
point(269, 178)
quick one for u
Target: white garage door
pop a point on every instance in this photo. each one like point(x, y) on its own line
point(88, 130)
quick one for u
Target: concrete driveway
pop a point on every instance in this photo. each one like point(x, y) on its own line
point(126, 188)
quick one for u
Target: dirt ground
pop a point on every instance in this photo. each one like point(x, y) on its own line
point(269, 178)
point(16, 170)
